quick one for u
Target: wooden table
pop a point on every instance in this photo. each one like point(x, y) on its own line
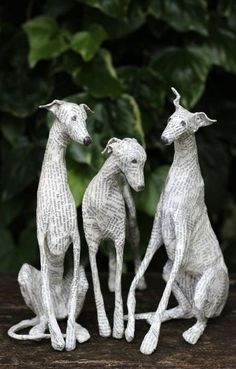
point(215, 350)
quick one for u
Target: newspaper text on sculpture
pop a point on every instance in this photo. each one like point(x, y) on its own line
point(46, 292)
point(195, 272)
point(104, 217)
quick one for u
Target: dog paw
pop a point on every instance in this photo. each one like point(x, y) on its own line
point(193, 334)
point(57, 339)
point(82, 334)
point(129, 332)
point(142, 284)
point(104, 328)
point(70, 336)
point(149, 343)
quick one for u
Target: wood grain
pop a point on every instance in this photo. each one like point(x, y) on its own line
point(215, 350)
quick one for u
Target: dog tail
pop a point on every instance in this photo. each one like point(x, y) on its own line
point(12, 332)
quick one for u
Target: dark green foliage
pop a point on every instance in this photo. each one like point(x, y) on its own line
point(120, 57)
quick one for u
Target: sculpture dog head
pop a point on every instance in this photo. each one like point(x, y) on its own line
point(130, 158)
point(72, 118)
point(183, 123)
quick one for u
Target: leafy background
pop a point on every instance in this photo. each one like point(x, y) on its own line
point(120, 57)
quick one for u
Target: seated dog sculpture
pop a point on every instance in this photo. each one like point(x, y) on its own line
point(47, 292)
point(195, 272)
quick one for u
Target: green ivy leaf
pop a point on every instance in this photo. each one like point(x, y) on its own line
point(186, 69)
point(117, 28)
point(147, 200)
point(115, 8)
point(127, 112)
point(183, 15)
point(148, 89)
point(221, 48)
point(87, 43)
point(99, 84)
point(22, 89)
point(46, 39)
point(145, 84)
point(108, 116)
point(80, 153)
point(23, 93)
point(57, 8)
point(78, 177)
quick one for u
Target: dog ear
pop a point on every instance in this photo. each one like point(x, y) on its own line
point(200, 120)
point(52, 106)
point(86, 108)
point(177, 99)
point(110, 145)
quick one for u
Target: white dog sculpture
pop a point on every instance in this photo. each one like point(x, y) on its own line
point(46, 292)
point(195, 272)
point(104, 217)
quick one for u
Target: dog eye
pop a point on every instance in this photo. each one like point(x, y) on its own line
point(74, 117)
point(134, 161)
point(183, 123)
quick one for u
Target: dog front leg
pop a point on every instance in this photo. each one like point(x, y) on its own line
point(57, 340)
point(150, 341)
point(72, 303)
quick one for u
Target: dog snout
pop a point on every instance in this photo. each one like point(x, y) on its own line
point(141, 188)
point(87, 141)
point(164, 140)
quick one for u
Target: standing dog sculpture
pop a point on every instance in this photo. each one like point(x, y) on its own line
point(195, 272)
point(46, 292)
point(104, 217)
